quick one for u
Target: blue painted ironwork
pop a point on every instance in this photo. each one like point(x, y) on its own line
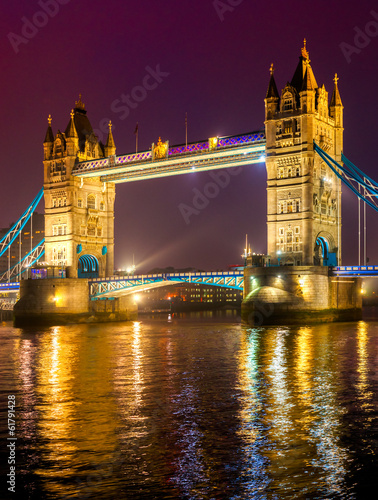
point(355, 271)
point(101, 288)
point(88, 267)
point(352, 177)
point(18, 226)
point(25, 263)
point(13, 286)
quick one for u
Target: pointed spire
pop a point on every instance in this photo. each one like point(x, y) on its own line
point(336, 99)
point(308, 82)
point(71, 128)
point(110, 147)
point(272, 91)
point(304, 51)
point(79, 104)
point(303, 66)
point(49, 134)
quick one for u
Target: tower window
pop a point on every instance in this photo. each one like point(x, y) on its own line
point(91, 201)
point(288, 127)
point(80, 203)
point(288, 104)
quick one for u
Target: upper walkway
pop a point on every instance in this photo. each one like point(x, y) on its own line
point(217, 152)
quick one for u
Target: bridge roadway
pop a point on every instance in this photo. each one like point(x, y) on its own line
point(113, 287)
point(124, 285)
point(218, 152)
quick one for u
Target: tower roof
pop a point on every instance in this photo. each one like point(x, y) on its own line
point(49, 133)
point(81, 123)
point(272, 91)
point(300, 73)
point(336, 99)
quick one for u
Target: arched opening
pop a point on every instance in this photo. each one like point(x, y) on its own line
point(88, 267)
point(323, 256)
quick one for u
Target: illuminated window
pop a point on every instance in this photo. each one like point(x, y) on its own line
point(91, 201)
point(288, 104)
point(288, 127)
point(91, 230)
point(102, 205)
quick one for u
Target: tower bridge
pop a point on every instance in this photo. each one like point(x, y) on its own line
point(302, 146)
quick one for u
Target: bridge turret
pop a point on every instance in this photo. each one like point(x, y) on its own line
point(110, 148)
point(272, 97)
point(336, 112)
point(72, 137)
point(49, 140)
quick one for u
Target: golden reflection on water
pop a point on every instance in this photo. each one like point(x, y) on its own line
point(74, 404)
point(304, 360)
point(364, 394)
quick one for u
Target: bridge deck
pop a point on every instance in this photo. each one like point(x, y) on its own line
point(113, 287)
point(229, 152)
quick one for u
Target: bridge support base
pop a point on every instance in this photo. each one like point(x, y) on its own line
point(66, 301)
point(299, 295)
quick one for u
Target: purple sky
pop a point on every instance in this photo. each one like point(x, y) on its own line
point(216, 64)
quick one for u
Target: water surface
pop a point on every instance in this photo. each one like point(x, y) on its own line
point(193, 407)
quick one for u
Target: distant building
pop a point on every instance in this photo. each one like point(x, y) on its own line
point(188, 296)
point(36, 226)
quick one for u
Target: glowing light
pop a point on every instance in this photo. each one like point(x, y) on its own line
point(262, 158)
point(279, 276)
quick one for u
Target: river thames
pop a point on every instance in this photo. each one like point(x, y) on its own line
point(190, 407)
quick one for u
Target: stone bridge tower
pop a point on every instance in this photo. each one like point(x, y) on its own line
point(304, 196)
point(79, 214)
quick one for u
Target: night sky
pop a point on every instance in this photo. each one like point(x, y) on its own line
point(214, 59)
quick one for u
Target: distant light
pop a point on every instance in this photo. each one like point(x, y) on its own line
point(193, 167)
point(279, 276)
point(278, 252)
point(262, 158)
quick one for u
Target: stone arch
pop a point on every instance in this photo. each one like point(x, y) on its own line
point(325, 249)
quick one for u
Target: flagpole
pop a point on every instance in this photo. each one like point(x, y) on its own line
point(186, 129)
point(136, 137)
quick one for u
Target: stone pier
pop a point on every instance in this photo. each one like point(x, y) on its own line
point(299, 295)
point(63, 301)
